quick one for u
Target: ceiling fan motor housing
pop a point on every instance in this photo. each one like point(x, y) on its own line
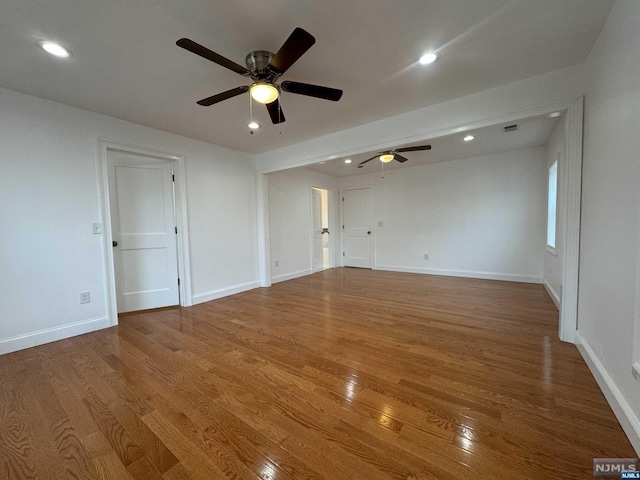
point(257, 63)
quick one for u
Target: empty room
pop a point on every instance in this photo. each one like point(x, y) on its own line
point(320, 239)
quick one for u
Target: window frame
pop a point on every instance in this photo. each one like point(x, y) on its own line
point(552, 249)
point(635, 366)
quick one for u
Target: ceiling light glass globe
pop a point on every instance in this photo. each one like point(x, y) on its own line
point(264, 92)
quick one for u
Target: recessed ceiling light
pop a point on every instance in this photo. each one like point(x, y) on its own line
point(348, 160)
point(468, 138)
point(253, 125)
point(554, 114)
point(54, 49)
point(428, 58)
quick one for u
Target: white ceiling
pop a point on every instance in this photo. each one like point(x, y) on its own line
point(125, 62)
point(531, 132)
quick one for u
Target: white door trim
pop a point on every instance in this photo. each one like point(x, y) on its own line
point(571, 244)
point(104, 212)
point(264, 233)
point(312, 250)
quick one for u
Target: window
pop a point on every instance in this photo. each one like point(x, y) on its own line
point(551, 207)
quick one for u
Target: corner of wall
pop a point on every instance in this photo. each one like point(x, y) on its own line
point(624, 413)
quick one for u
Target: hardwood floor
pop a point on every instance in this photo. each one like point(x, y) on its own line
point(345, 374)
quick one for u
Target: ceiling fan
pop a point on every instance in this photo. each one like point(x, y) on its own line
point(391, 155)
point(265, 68)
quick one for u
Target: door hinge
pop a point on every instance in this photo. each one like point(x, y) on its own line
point(178, 282)
point(343, 199)
point(173, 178)
point(343, 227)
point(176, 229)
point(343, 254)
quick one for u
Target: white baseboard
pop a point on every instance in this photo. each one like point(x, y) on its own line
point(291, 276)
point(223, 292)
point(48, 335)
point(509, 277)
point(621, 408)
point(552, 293)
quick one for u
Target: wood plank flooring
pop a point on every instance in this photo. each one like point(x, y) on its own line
point(345, 374)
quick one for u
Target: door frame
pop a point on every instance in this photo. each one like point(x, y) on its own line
point(330, 213)
point(372, 237)
point(104, 217)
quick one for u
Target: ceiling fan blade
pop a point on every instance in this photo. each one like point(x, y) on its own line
point(399, 158)
point(204, 52)
point(293, 48)
point(275, 112)
point(317, 91)
point(205, 102)
point(368, 160)
point(413, 149)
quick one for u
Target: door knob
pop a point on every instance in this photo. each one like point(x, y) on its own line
point(368, 233)
point(114, 243)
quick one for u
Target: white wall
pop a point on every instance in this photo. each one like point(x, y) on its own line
point(609, 274)
point(49, 198)
point(552, 275)
point(496, 104)
point(290, 220)
point(479, 217)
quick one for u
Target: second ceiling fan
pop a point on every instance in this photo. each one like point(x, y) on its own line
point(391, 155)
point(265, 68)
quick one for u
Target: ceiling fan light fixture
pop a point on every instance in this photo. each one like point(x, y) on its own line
point(386, 157)
point(253, 125)
point(264, 92)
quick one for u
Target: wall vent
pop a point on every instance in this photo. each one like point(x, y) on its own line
point(511, 128)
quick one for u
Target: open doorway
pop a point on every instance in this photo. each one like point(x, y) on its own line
point(449, 144)
point(320, 244)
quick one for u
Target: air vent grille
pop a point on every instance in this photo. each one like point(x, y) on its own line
point(511, 128)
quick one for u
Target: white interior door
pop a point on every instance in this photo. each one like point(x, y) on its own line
point(316, 228)
point(143, 228)
point(357, 216)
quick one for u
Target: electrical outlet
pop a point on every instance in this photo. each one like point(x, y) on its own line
point(85, 297)
point(380, 224)
point(277, 263)
point(426, 256)
point(97, 228)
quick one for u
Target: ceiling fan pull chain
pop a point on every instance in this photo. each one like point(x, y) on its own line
point(280, 117)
